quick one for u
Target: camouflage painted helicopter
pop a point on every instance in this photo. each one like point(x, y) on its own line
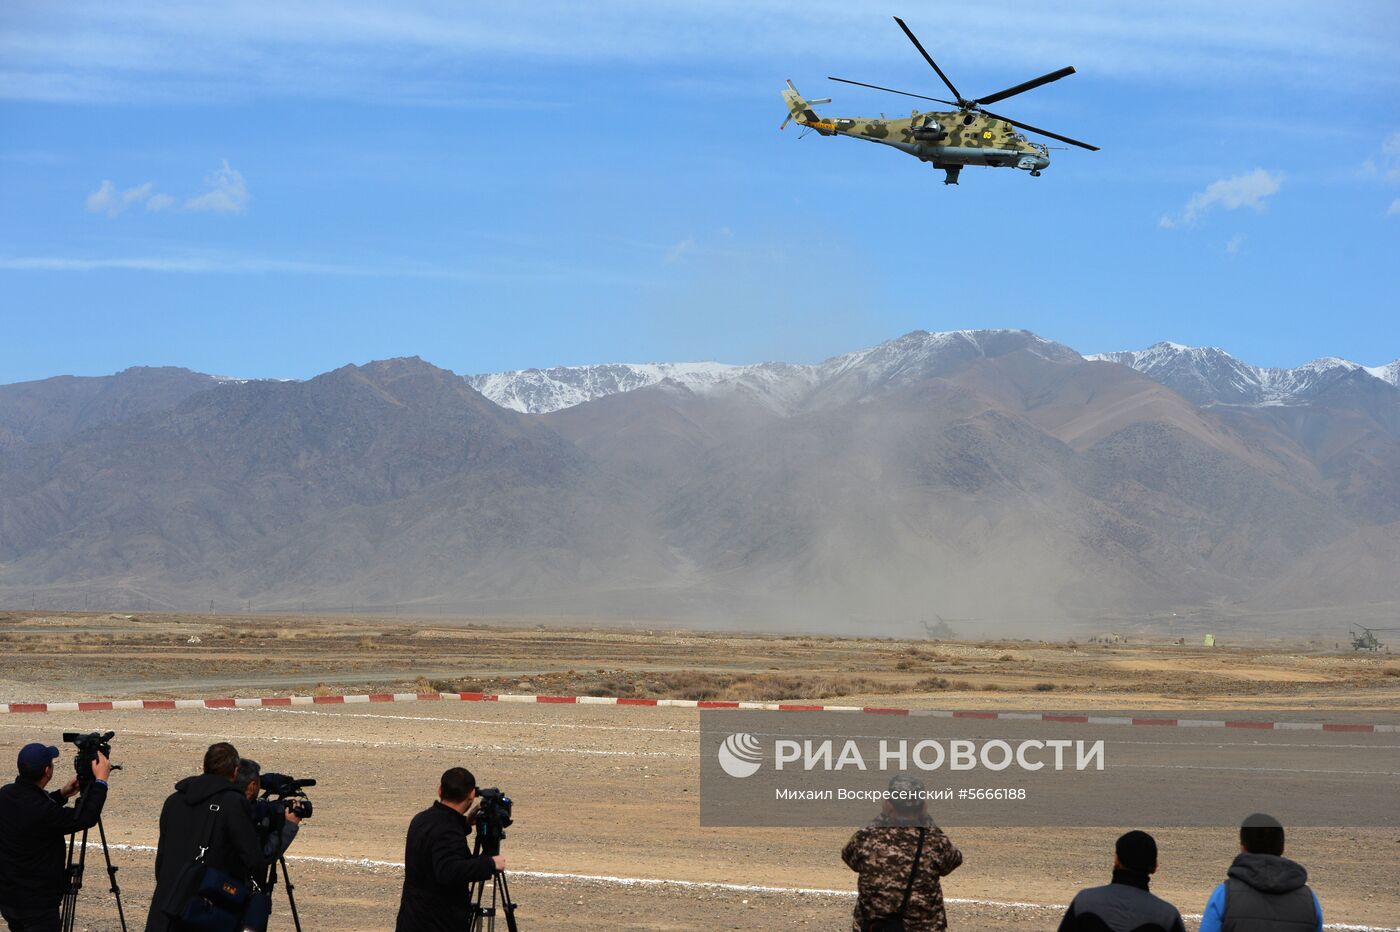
point(948, 140)
point(1365, 639)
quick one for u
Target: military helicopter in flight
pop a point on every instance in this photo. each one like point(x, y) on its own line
point(947, 140)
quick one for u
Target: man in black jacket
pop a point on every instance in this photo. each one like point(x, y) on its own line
point(1125, 905)
point(276, 840)
point(33, 825)
point(233, 845)
point(438, 865)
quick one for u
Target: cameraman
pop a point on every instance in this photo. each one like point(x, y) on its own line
point(438, 864)
point(276, 825)
point(233, 845)
point(33, 875)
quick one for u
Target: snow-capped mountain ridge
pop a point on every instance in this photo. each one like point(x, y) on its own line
point(1210, 375)
point(778, 384)
point(537, 391)
point(1204, 374)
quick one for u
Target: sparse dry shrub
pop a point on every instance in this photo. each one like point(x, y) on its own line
point(365, 644)
point(990, 688)
point(1044, 687)
point(932, 684)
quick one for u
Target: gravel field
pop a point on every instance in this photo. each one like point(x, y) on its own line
point(607, 831)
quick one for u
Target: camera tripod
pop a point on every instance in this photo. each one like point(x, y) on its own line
point(287, 885)
point(484, 916)
point(69, 909)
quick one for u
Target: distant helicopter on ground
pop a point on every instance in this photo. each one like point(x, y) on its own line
point(1366, 639)
point(948, 140)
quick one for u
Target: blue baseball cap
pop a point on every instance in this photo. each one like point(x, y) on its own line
point(33, 758)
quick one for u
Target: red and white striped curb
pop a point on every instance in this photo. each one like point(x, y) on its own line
point(120, 705)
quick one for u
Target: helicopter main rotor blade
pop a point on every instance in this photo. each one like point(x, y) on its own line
point(1043, 132)
point(1026, 86)
point(937, 100)
point(929, 58)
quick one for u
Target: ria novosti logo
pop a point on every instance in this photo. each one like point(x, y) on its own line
point(740, 755)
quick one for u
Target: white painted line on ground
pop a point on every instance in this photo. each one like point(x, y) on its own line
point(370, 743)
point(1349, 773)
point(610, 880)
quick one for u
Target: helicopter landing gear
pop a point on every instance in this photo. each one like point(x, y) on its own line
point(1035, 173)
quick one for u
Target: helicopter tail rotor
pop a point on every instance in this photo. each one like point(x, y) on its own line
point(799, 108)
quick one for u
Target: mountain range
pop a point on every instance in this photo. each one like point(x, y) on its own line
point(984, 476)
point(1206, 375)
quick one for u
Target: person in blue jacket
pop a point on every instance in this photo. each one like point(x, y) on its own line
point(1263, 890)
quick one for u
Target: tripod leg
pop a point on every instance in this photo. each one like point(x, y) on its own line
point(289, 886)
point(479, 912)
point(507, 905)
point(69, 909)
point(111, 873)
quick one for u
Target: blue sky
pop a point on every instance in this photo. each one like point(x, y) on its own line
point(277, 189)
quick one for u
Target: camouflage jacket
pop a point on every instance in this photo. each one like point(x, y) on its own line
point(883, 854)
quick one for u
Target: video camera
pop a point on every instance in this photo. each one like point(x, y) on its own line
point(281, 794)
point(493, 817)
point(89, 746)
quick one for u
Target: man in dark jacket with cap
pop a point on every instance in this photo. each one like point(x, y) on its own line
point(209, 805)
point(1125, 904)
point(1263, 890)
point(438, 867)
point(33, 825)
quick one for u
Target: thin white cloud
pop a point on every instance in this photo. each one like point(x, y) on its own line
point(1234, 244)
point(108, 200)
point(227, 194)
point(159, 202)
point(414, 50)
point(1385, 167)
point(1390, 151)
point(679, 249)
point(1252, 189)
point(214, 264)
point(232, 264)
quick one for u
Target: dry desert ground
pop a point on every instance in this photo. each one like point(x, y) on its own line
point(607, 832)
